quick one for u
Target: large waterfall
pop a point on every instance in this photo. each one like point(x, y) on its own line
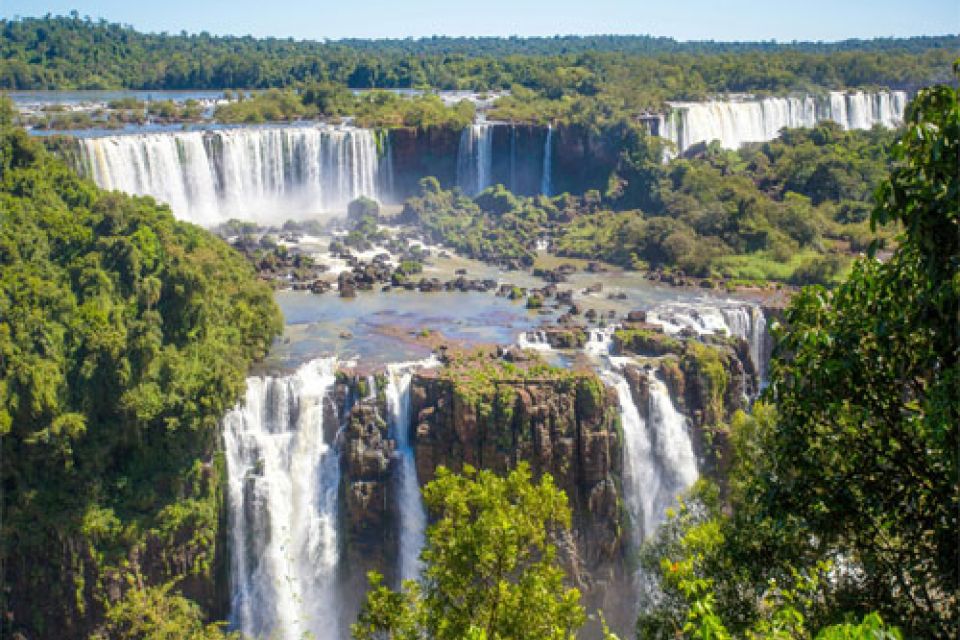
point(260, 173)
point(736, 121)
point(475, 158)
point(413, 517)
point(659, 463)
point(283, 479)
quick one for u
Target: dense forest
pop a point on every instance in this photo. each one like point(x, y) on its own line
point(75, 53)
point(793, 210)
point(124, 336)
point(843, 497)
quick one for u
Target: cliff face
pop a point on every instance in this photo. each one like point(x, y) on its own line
point(708, 382)
point(582, 159)
point(562, 423)
point(423, 152)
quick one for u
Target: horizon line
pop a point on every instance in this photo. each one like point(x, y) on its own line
point(327, 40)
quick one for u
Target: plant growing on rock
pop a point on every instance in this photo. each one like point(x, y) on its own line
point(491, 570)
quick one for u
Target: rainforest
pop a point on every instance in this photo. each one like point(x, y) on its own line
point(574, 337)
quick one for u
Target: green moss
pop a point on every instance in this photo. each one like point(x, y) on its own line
point(707, 365)
point(646, 342)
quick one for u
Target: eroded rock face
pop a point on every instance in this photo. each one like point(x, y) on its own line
point(708, 380)
point(562, 423)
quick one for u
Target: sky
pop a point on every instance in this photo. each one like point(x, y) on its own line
point(782, 20)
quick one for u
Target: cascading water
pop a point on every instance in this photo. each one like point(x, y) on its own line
point(546, 181)
point(265, 173)
point(513, 158)
point(413, 517)
point(734, 122)
point(388, 189)
point(741, 320)
point(283, 480)
point(536, 340)
point(659, 463)
point(599, 341)
point(475, 158)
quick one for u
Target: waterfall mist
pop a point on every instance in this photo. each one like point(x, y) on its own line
point(266, 174)
point(283, 482)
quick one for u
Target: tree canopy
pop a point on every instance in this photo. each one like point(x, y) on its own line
point(124, 337)
point(490, 565)
point(844, 488)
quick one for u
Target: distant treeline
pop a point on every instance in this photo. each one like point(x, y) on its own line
point(75, 53)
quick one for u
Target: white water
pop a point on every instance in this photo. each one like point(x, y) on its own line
point(741, 320)
point(599, 341)
point(734, 122)
point(748, 322)
point(266, 174)
point(413, 516)
point(546, 182)
point(475, 158)
point(536, 340)
point(659, 463)
point(283, 481)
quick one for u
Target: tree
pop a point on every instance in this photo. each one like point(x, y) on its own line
point(157, 613)
point(361, 208)
point(844, 482)
point(491, 570)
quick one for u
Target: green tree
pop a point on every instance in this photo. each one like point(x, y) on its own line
point(491, 570)
point(124, 337)
point(849, 471)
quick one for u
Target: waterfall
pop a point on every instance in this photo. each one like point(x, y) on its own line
point(736, 121)
point(536, 340)
point(413, 516)
point(659, 463)
point(282, 493)
point(267, 174)
point(388, 189)
point(546, 182)
point(673, 451)
point(742, 320)
point(513, 158)
point(599, 341)
point(475, 158)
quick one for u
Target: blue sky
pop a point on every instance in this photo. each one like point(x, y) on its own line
point(681, 19)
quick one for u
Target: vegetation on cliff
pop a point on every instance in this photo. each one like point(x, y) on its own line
point(792, 209)
point(490, 565)
point(844, 498)
point(124, 337)
point(371, 109)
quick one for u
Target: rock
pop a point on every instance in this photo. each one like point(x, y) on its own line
point(346, 285)
point(562, 422)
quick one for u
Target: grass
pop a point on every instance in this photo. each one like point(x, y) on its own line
point(761, 265)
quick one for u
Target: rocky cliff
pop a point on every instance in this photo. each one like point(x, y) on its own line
point(709, 379)
point(489, 413)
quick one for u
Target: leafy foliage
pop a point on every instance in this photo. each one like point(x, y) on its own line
point(69, 52)
point(790, 209)
point(845, 487)
point(157, 613)
point(491, 569)
point(124, 336)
